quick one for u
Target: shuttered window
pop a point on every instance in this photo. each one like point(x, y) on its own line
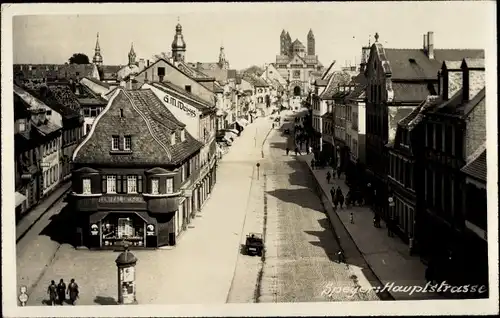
point(103, 184)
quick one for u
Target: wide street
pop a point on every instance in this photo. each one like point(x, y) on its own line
point(207, 266)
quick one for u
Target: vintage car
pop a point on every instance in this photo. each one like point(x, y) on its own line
point(254, 244)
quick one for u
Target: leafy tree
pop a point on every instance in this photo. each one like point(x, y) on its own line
point(79, 58)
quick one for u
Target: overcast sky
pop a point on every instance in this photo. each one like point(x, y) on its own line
point(249, 32)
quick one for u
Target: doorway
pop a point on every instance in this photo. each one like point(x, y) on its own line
point(296, 91)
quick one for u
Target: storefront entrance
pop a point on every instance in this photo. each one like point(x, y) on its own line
point(113, 229)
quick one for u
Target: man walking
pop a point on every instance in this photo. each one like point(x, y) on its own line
point(73, 291)
point(287, 151)
point(332, 193)
point(61, 292)
point(52, 291)
point(328, 177)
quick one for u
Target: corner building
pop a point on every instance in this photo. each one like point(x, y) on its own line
point(134, 174)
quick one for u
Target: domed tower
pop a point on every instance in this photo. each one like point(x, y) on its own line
point(311, 43)
point(178, 45)
point(223, 63)
point(97, 60)
point(131, 56)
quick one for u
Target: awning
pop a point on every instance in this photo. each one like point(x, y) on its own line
point(20, 198)
point(234, 131)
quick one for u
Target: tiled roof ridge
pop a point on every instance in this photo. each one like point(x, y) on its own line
point(148, 122)
point(478, 152)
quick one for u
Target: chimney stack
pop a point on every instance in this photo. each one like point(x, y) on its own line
point(430, 44)
point(425, 44)
point(147, 63)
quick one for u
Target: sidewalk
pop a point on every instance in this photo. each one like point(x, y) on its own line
point(29, 220)
point(388, 257)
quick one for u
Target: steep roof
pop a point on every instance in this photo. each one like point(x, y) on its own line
point(97, 82)
point(145, 117)
point(477, 166)
point(88, 97)
point(191, 71)
point(414, 64)
point(418, 114)
point(256, 81)
point(109, 72)
point(76, 70)
point(412, 92)
point(58, 97)
point(183, 95)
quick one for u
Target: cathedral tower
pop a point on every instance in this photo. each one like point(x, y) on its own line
point(97, 60)
point(311, 43)
point(289, 49)
point(283, 50)
point(178, 45)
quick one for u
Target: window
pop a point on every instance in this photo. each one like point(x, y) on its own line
point(49, 112)
point(115, 141)
point(111, 184)
point(183, 135)
point(22, 125)
point(296, 74)
point(187, 88)
point(131, 184)
point(86, 186)
point(155, 186)
point(127, 142)
point(161, 71)
point(121, 112)
point(170, 185)
point(172, 139)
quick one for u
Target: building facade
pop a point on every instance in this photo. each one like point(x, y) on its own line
point(398, 81)
point(37, 148)
point(135, 174)
point(296, 63)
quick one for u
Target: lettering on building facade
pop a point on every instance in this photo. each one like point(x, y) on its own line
point(188, 111)
point(121, 199)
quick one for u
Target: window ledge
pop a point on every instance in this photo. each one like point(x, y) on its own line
point(120, 152)
point(88, 195)
point(161, 195)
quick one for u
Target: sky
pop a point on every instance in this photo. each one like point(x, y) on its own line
point(249, 32)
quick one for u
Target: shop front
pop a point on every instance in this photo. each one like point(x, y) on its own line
point(110, 229)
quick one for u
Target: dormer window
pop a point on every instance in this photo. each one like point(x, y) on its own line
point(22, 125)
point(115, 141)
point(183, 135)
point(155, 186)
point(86, 186)
point(172, 139)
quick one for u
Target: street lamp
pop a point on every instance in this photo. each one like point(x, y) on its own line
point(391, 204)
point(258, 170)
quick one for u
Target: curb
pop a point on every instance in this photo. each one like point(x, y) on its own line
point(42, 214)
point(322, 193)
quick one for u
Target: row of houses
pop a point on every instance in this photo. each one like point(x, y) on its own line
point(139, 145)
point(411, 125)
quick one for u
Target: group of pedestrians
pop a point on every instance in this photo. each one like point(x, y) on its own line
point(57, 293)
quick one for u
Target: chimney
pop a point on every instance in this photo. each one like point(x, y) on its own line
point(142, 64)
point(147, 63)
point(425, 44)
point(430, 45)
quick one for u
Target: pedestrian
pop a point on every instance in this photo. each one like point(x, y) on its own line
point(52, 291)
point(332, 193)
point(296, 151)
point(61, 291)
point(338, 172)
point(328, 177)
point(351, 218)
point(287, 151)
point(73, 291)
point(312, 163)
point(341, 257)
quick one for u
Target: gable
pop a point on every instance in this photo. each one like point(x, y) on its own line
point(296, 60)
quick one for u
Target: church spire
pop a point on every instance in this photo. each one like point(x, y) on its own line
point(178, 45)
point(97, 52)
point(131, 55)
point(222, 58)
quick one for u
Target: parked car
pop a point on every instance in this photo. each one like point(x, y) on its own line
point(254, 244)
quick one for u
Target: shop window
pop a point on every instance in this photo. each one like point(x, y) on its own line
point(115, 141)
point(155, 186)
point(131, 184)
point(111, 184)
point(127, 142)
point(170, 185)
point(86, 186)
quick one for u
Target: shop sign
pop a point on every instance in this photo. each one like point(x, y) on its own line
point(182, 107)
point(150, 230)
point(121, 199)
point(94, 229)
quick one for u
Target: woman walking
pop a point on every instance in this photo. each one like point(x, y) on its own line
point(340, 197)
point(73, 291)
point(52, 291)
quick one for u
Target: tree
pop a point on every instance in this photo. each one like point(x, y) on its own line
point(79, 58)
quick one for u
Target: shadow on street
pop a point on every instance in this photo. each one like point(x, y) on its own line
point(103, 300)
point(62, 227)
